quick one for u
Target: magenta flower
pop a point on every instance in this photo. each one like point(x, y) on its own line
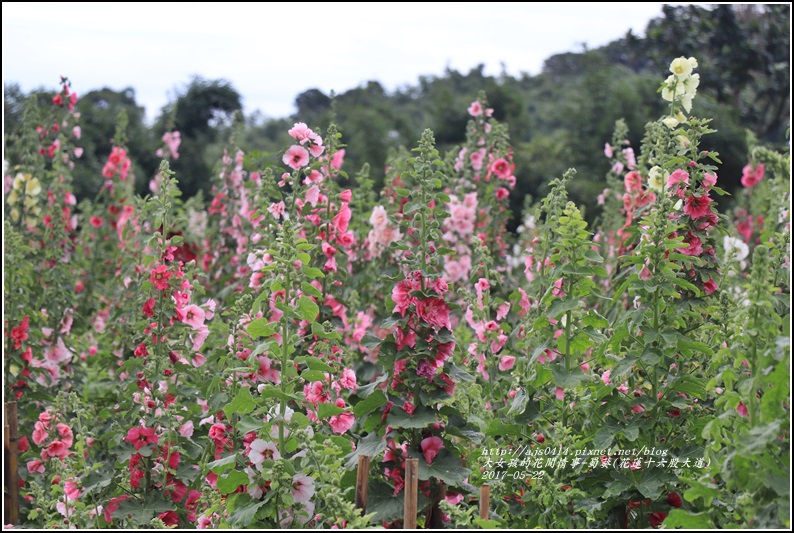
point(751, 177)
point(430, 448)
point(296, 157)
point(742, 409)
point(501, 168)
point(679, 176)
point(141, 436)
point(434, 311)
point(698, 206)
point(160, 277)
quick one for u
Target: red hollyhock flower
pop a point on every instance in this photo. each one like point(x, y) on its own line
point(160, 277)
point(698, 206)
point(674, 499)
point(656, 519)
point(141, 436)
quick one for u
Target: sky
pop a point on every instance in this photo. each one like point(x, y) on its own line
point(271, 52)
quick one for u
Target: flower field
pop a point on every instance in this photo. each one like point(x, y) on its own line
point(227, 362)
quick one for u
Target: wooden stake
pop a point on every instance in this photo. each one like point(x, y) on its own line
point(362, 483)
point(411, 493)
point(485, 501)
point(12, 472)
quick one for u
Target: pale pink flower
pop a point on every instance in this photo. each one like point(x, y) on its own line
point(378, 218)
point(192, 315)
point(313, 195)
point(506, 363)
point(262, 451)
point(559, 393)
point(302, 488)
point(608, 150)
point(296, 157)
point(475, 109)
point(186, 429)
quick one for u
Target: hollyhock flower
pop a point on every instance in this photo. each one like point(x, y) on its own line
point(656, 519)
point(277, 209)
point(645, 274)
point(426, 370)
point(751, 177)
point(434, 311)
point(141, 436)
point(657, 178)
point(57, 449)
point(342, 219)
point(338, 159)
point(475, 109)
point(481, 286)
point(141, 350)
point(501, 168)
point(710, 286)
point(343, 421)
point(632, 182)
point(296, 157)
point(302, 488)
point(35, 467)
point(506, 363)
point(608, 150)
point(679, 176)
point(709, 180)
point(695, 247)
point(742, 409)
point(674, 500)
point(160, 276)
point(63, 509)
point(39, 434)
point(559, 393)
point(348, 380)
point(313, 195)
point(192, 315)
point(65, 432)
point(401, 296)
point(378, 218)
point(409, 407)
point(186, 429)
point(430, 448)
point(71, 489)
point(697, 206)
point(169, 518)
point(262, 451)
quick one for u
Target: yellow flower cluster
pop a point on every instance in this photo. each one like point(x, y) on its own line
point(25, 189)
point(681, 85)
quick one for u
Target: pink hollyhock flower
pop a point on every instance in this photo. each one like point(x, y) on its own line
point(481, 286)
point(343, 421)
point(409, 407)
point(141, 436)
point(501, 168)
point(633, 181)
point(378, 218)
point(697, 206)
point(277, 209)
point(679, 176)
point(302, 488)
point(148, 308)
point(313, 195)
point(160, 277)
point(262, 451)
point(300, 132)
point(296, 157)
point(201, 335)
point(695, 247)
point(217, 431)
point(434, 311)
point(348, 380)
point(169, 518)
point(710, 286)
point(346, 195)
point(71, 489)
point(751, 177)
point(401, 295)
point(57, 449)
point(559, 393)
point(342, 219)
point(186, 429)
point(608, 150)
point(65, 432)
point(35, 467)
point(477, 158)
point(141, 350)
point(338, 159)
point(645, 274)
point(475, 109)
point(502, 310)
point(524, 302)
point(709, 180)
point(430, 448)
point(192, 315)
point(502, 193)
point(39, 433)
point(506, 363)
point(742, 409)
point(605, 377)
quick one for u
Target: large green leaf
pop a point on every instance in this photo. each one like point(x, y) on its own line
point(370, 403)
point(445, 466)
point(243, 403)
point(228, 483)
point(307, 308)
point(261, 327)
point(421, 418)
point(688, 520)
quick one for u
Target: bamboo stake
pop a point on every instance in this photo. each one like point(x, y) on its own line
point(485, 501)
point(411, 493)
point(362, 482)
point(11, 436)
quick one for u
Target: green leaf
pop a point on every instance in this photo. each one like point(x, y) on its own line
point(313, 375)
point(370, 341)
point(372, 445)
point(307, 308)
point(261, 327)
point(445, 466)
point(622, 367)
point(245, 513)
point(653, 482)
point(421, 418)
point(701, 490)
point(223, 464)
point(311, 290)
point(315, 363)
point(593, 256)
point(243, 403)
point(311, 272)
point(567, 379)
point(688, 520)
point(497, 427)
point(229, 482)
point(370, 403)
point(687, 345)
point(327, 410)
point(562, 306)
point(604, 437)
